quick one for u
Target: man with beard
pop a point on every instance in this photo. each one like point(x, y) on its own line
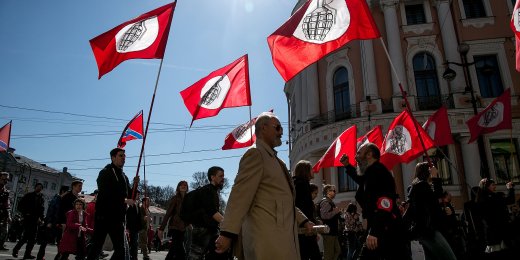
point(261, 206)
point(377, 196)
point(205, 222)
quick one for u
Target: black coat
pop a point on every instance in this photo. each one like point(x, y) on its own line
point(425, 200)
point(303, 197)
point(495, 215)
point(377, 196)
point(113, 188)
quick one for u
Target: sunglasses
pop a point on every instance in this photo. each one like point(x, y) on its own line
point(278, 128)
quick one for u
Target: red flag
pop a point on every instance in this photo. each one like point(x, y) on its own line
point(242, 136)
point(494, 117)
point(402, 143)
point(225, 87)
point(515, 26)
point(133, 130)
point(315, 30)
point(144, 37)
point(438, 127)
point(344, 144)
point(374, 136)
point(5, 136)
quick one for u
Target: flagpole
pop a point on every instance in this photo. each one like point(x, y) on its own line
point(406, 101)
point(251, 128)
point(146, 129)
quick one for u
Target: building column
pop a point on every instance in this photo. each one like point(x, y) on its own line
point(393, 37)
point(471, 159)
point(313, 95)
point(408, 173)
point(369, 66)
point(449, 40)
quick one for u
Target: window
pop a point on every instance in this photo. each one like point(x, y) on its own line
point(505, 160)
point(426, 82)
point(438, 158)
point(34, 182)
point(474, 8)
point(53, 186)
point(341, 94)
point(154, 219)
point(415, 14)
point(45, 184)
point(488, 74)
point(345, 182)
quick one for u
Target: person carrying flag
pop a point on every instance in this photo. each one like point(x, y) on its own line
point(377, 196)
point(112, 200)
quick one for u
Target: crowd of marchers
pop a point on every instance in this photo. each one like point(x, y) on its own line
point(270, 214)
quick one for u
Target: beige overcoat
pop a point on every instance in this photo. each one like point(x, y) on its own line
point(261, 207)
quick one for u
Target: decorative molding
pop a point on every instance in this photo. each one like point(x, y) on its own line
point(478, 22)
point(418, 28)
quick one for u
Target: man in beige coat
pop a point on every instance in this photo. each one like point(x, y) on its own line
point(261, 204)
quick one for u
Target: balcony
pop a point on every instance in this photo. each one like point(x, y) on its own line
point(332, 116)
point(434, 102)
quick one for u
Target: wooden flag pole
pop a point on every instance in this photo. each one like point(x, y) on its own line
point(406, 101)
point(146, 130)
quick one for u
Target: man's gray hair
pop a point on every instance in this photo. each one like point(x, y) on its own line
point(4, 173)
point(263, 119)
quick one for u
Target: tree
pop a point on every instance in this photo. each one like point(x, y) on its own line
point(159, 196)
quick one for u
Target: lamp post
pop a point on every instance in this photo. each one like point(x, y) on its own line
point(449, 75)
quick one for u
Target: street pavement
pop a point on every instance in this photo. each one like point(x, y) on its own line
point(52, 251)
point(417, 252)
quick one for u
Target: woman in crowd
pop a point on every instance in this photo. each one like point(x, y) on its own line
point(495, 217)
point(77, 226)
point(354, 230)
point(302, 175)
point(427, 212)
point(176, 226)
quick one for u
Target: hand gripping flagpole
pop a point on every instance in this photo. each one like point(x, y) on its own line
point(404, 94)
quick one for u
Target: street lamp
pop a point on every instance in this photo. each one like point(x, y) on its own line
point(449, 75)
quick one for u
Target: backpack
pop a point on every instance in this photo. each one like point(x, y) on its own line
point(191, 207)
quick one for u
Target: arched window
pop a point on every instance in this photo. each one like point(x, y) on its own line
point(341, 94)
point(426, 82)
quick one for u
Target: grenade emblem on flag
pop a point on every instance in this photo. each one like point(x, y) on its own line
point(241, 131)
point(212, 94)
point(398, 140)
point(133, 34)
point(490, 115)
point(317, 24)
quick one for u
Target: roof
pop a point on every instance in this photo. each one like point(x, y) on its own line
point(156, 210)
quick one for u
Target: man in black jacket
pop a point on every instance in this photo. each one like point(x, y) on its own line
point(377, 196)
point(111, 204)
point(31, 206)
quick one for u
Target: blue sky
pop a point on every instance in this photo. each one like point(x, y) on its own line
point(65, 117)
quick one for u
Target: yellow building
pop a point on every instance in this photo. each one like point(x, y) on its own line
point(355, 85)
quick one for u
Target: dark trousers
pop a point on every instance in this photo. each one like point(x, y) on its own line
point(391, 246)
point(309, 247)
point(30, 226)
point(116, 231)
point(203, 245)
point(133, 243)
point(176, 251)
point(48, 236)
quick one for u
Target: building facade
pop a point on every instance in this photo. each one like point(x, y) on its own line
point(356, 85)
point(24, 173)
